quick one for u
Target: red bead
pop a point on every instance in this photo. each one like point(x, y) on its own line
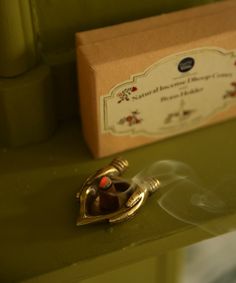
point(105, 182)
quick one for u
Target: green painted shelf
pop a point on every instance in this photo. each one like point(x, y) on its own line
point(38, 208)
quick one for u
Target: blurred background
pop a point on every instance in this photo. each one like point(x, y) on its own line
point(57, 22)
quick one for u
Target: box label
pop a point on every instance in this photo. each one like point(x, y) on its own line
point(176, 93)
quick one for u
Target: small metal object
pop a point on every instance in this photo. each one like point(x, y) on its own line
point(105, 196)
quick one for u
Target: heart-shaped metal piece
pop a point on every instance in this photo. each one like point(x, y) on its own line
point(105, 196)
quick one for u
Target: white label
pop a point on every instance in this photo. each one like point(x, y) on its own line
point(177, 92)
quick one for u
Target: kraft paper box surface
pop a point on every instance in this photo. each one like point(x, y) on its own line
point(146, 80)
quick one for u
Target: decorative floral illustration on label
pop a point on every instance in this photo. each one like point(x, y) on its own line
point(132, 119)
point(176, 93)
point(231, 93)
point(125, 94)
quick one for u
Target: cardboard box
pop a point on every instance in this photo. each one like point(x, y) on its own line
point(150, 79)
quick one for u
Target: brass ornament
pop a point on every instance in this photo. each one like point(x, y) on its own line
point(105, 196)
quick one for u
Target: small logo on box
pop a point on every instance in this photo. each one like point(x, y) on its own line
point(186, 64)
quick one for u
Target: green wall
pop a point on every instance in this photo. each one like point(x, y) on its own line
point(59, 20)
